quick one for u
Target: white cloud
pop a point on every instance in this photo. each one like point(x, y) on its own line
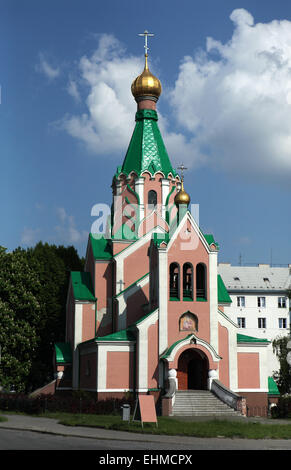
point(30, 236)
point(66, 230)
point(73, 90)
point(233, 99)
point(48, 70)
point(107, 125)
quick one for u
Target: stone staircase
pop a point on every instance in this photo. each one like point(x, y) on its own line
point(200, 403)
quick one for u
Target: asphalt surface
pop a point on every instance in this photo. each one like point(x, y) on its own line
point(97, 438)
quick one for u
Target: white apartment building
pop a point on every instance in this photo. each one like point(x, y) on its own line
point(260, 305)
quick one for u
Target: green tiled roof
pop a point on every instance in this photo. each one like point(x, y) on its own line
point(63, 353)
point(82, 286)
point(101, 246)
point(223, 296)
point(146, 150)
point(250, 339)
point(272, 386)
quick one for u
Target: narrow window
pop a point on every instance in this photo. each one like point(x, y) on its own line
point(282, 322)
point(187, 281)
point(152, 198)
point(241, 301)
point(241, 321)
point(262, 302)
point(201, 282)
point(262, 323)
point(281, 302)
point(174, 281)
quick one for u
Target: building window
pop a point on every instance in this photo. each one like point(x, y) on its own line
point(282, 322)
point(262, 302)
point(241, 321)
point(281, 302)
point(174, 281)
point(241, 301)
point(262, 323)
point(152, 198)
point(187, 281)
point(201, 282)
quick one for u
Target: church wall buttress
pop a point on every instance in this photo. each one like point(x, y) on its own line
point(153, 357)
point(104, 292)
point(223, 337)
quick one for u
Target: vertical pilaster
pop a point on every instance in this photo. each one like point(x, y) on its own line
point(77, 340)
point(139, 189)
point(213, 301)
point(163, 299)
point(165, 192)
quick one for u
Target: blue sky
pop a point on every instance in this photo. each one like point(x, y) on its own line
point(66, 115)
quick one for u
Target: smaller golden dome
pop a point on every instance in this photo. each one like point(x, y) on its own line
point(182, 197)
point(146, 84)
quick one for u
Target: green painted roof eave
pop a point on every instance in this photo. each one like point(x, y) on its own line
point(101, 247)
point(250, 339)
point(167, 353)
point(272, 387)
point(63, 353)
point(123, 335)
point(82, 286)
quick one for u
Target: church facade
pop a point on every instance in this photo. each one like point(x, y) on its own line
point(148, 310)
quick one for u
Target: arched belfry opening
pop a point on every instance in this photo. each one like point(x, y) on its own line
point(192, 372)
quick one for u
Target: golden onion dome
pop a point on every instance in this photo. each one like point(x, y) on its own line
point(182, 197)
point(146, 84)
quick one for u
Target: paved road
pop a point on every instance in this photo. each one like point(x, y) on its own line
point(29, 433)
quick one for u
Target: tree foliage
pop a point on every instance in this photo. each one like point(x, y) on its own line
point(33, 292)
point(283, 375)
point(20, 314)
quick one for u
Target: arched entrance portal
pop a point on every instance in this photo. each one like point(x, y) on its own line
point(192, 370)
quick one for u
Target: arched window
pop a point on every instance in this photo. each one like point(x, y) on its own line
point(201, 291)
point(174, 281)
point(152, 198)
point(188, 322)
point(187, 281)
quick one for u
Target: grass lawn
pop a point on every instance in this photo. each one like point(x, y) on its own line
point(177, 427)
point(171, 426)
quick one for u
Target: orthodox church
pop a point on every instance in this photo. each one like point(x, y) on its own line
point(147, 314)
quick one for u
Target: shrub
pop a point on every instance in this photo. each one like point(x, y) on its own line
point(72, 404)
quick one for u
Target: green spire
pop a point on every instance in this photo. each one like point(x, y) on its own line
point(146, 150)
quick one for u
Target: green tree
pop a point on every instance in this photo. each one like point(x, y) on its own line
point(19, 316)
point(53, 265)
point(283, 375)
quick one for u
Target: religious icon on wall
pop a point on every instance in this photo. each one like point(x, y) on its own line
point(188, 322)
